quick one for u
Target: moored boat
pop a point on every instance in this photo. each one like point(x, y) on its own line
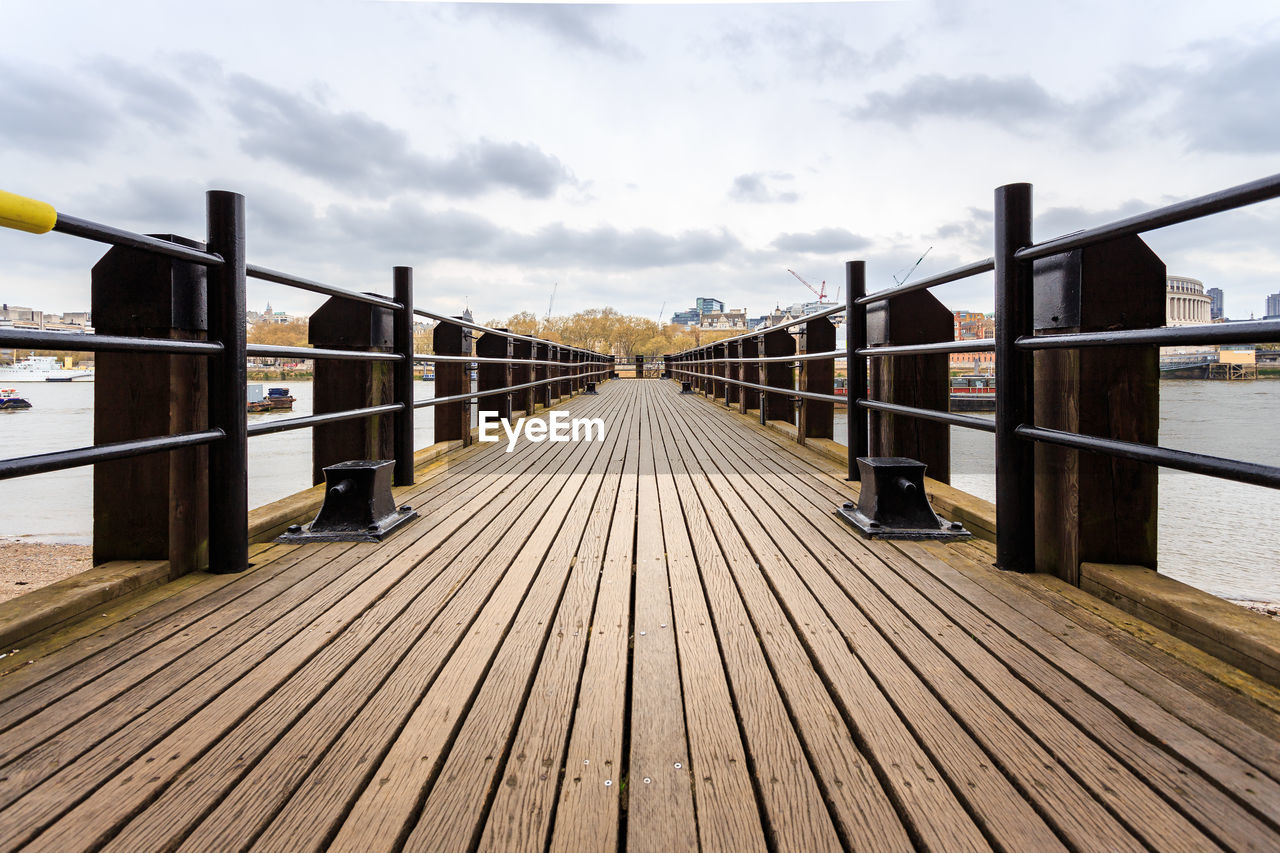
point(973, 393)
point(43, 368)
point(9, 399)
point(279, 398)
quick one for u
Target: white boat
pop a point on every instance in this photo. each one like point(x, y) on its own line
point(42, 368)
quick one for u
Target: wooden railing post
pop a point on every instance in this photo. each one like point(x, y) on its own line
point(403, 293)
point(1092, 508)
point(522, 373)
point(921, 381)
point(750, 373)
point(779, 374)
point(542, 393)
point(733, 392)
point(152, 507)
point(717, 369)
point(817, 377)
point(490, 377)
point(342, 384)
point(452, 420)
point(564, 387)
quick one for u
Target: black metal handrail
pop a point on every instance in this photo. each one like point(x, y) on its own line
point(60, 460)
point(1014, 345)
point(104, 343)
point(228, 350)
point(1241, 195)
point(493, 392)
point(264, 274)
point(515, 336)
point(952, 275)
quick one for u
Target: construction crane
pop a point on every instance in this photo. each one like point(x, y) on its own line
point(661, 311)
point(552, 300)
point(821, 294)
point(910, 272)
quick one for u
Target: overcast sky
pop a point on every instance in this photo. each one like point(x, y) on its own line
point(638, 156)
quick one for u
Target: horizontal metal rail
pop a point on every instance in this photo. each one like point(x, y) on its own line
point(254, 271)
point(786, 392)
point(803, 356)
point(1241, 195)
point(472, 359)
point(467, 324)
point(327, 418)
point(59, 460)
point(267, 351)
point(942, 347)
point(77, 227)
point(76, 342)
point(1195, 463)
point(493, 392)
point(967, 421)
point(975, 268)
point(1248, 332)
point(817, 315)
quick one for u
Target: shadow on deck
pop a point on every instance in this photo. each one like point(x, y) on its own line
point(664, 640)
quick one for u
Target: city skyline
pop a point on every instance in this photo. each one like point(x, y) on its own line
point(635, 155)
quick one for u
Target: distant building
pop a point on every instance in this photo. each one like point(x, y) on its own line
point(1185, 301)
point(705, 305)
point(1273, 307)
point(735, 318)
point(1186, 304)
point(686, 318)
point(1215, 303)
point(971, 326)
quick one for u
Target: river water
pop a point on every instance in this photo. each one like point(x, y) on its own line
point(1220, 536)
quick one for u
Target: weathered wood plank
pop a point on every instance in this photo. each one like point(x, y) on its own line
point(346, 724)
point(587, 814)
point(728, 817)
point(451, 817)
point(862, 810)
point(520, 816)
point(911, 671)
point(660, 799)
point(268, 657)
point(1153, 765)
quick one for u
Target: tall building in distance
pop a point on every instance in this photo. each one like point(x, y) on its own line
point(706, 305)
point(1215, 303)
point(686, 318)
point(1273, 307)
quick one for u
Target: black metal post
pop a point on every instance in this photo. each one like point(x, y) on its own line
point(403, 378)
point(228, 378)
point(1015, 458)
point(855, 338)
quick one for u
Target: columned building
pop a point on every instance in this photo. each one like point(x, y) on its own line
point(1186, 303)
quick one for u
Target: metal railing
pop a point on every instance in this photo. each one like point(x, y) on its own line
point(725, 364)
point(227, 351)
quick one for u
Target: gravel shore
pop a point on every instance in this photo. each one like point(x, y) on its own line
point(25, 566)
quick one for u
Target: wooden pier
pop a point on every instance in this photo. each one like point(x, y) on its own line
point(662, 641)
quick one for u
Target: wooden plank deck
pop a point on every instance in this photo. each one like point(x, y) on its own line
point(665, 640)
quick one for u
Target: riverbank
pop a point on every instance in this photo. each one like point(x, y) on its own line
point(25, 566)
